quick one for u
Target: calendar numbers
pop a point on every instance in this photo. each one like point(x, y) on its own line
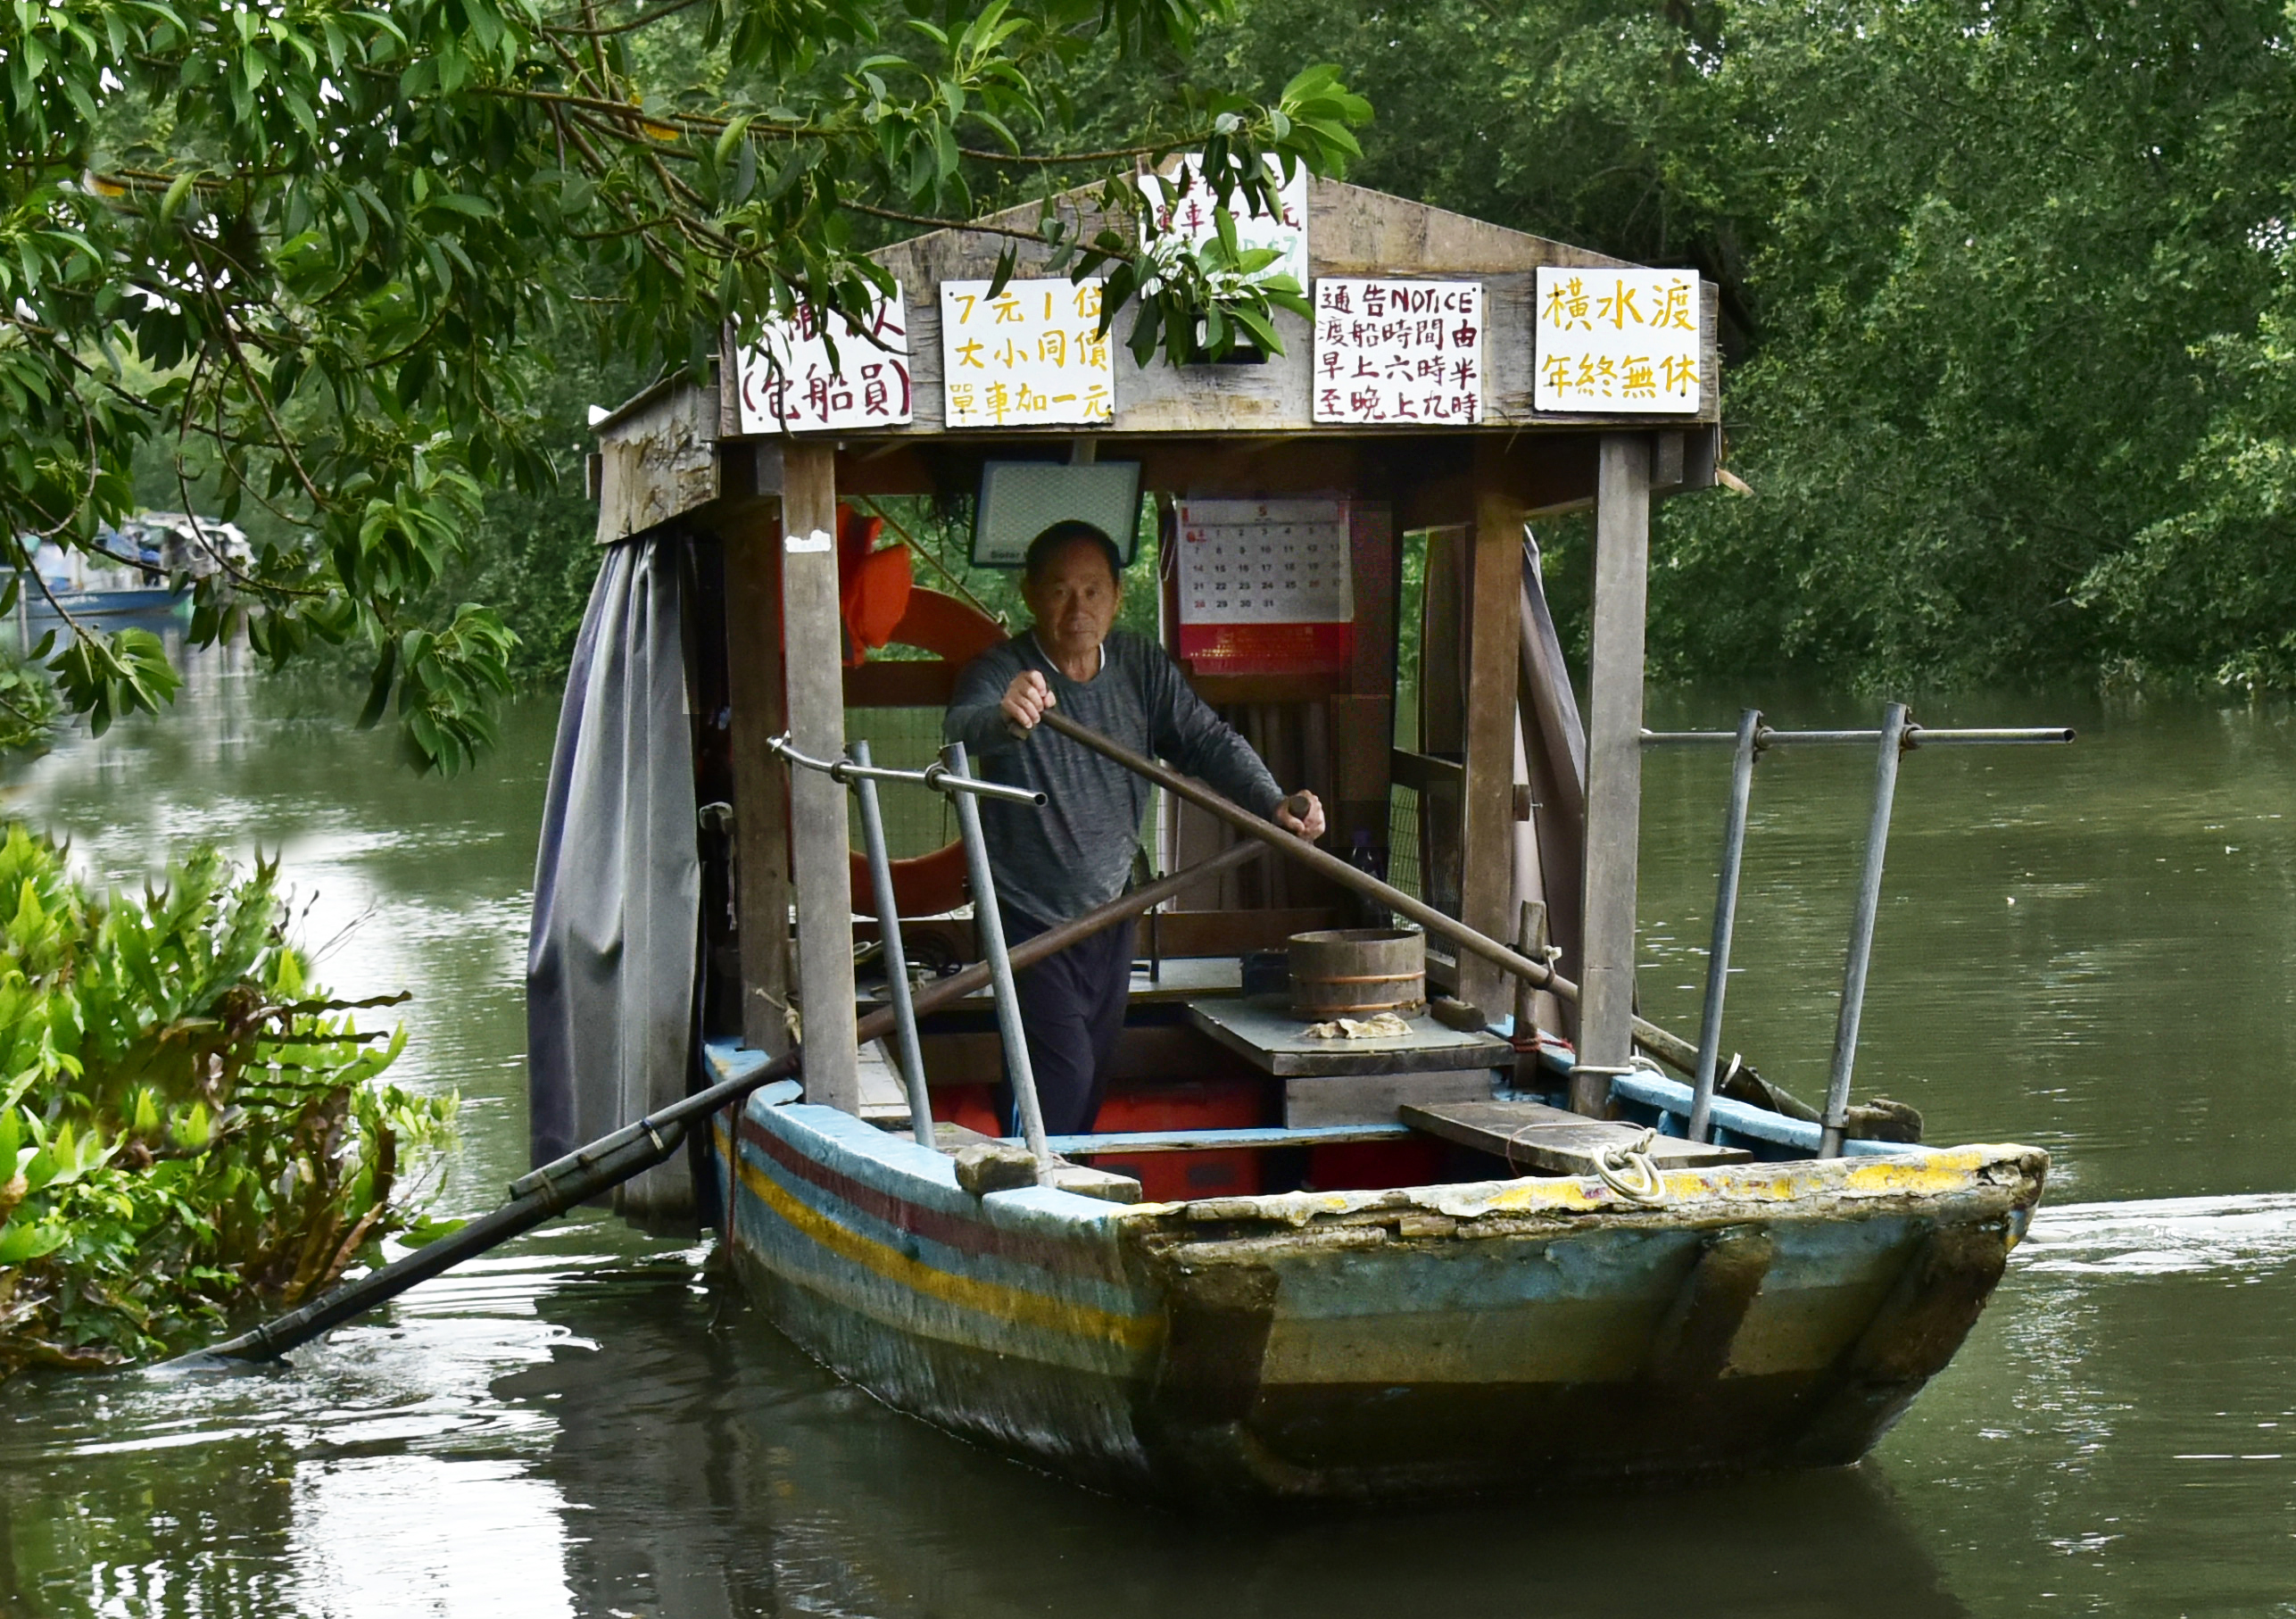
point(1264, 563)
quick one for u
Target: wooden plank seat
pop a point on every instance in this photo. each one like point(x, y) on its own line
point(1209, 1140)
point(1531, 1136)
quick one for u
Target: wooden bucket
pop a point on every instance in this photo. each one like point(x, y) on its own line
point(1352, 972)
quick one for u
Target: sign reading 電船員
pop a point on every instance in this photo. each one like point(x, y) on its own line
point(1032, 356)
point(1398, 352)
point(1616, 340)
point(789, 384)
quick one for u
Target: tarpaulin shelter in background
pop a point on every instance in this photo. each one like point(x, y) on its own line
point(610, 960)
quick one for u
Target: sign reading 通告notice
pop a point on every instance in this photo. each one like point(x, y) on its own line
point(789, 384)
point(1398, 352)
point(1616, 340)
point(1032, 356)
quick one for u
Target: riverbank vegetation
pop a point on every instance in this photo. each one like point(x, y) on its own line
point(2008, 300)
point(316, 262)
point(2009, 292)
point(188, 1126)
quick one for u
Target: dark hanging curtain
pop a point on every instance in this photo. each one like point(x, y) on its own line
point(610, 958)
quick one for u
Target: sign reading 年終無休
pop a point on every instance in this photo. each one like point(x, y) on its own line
point(1616, 340)
point(1032, 356)
point(1398, 351)
point(788, 382)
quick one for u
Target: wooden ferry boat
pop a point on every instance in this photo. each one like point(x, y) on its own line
point(1488, 1257)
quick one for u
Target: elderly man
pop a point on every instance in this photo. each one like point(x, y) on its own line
point(1057, 862)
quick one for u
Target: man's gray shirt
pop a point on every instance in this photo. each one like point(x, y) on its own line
point(1076, 852)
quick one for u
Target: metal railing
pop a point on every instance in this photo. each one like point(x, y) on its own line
point(953, 776)
point(1897, 737)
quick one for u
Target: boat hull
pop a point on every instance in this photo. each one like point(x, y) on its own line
point(1518, 1335)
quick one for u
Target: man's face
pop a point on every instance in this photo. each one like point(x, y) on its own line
point(1074, 598)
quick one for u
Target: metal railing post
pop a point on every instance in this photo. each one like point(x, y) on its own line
point(1862, 925)
point(988, 923)
point(889, 935)
point(1726, 915)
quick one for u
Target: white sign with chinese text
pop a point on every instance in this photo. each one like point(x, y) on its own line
point(1031, 357)
point(1616, 340)
point(1283, 562)
point(1398, 351)
point(1190, 218)
point(789, 384)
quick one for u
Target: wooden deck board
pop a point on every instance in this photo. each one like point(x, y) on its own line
point(1533, 1136)
point(1275, 1042)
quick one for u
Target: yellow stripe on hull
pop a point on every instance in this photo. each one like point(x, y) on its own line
point(1136, 1334)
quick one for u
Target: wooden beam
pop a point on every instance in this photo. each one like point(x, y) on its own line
point(1442, 709)
point(1487, 802)
point(906, 683)
point(753, 668)
point(819, 845)
point(1613, 765)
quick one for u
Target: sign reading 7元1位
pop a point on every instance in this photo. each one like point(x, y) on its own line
point(1616, 340)
point(1032, 356)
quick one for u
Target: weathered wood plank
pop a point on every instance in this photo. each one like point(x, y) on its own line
point(753, 626)
point(819, 845)
point(1613, 765)
point(1372, 1098)
point(1275, 1043)
point(1487, 800)
point(657, 459)
point(1531, 1136)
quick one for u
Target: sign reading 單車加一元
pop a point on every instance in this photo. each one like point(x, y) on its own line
point(1616, 340)
point(1398, 352)
point(1032, 356)
point(1190, 216)
point(789, 384)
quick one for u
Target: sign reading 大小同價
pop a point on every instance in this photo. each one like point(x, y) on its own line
point(789, 385)
point(1398, 352)
point(1032, 356)
point(1189, 217)
point(1623, 340)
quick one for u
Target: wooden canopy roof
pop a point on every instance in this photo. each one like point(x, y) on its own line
point(679, 445)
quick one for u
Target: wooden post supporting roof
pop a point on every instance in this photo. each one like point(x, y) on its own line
point(819, 844)
point(753, 636)
point(1613, 763)
point(1486, 810)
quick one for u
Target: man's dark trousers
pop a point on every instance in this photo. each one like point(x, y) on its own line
point(1072, 1012)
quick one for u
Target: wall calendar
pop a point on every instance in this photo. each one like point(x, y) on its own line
point(1264, 587)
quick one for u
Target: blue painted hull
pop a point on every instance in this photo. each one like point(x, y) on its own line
point(1511, 1334)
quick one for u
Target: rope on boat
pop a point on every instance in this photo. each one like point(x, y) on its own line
point(1628, 1170)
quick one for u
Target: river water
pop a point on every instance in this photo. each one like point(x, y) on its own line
point(2088, 949)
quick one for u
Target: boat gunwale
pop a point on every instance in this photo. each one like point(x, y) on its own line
point(1972, 1182)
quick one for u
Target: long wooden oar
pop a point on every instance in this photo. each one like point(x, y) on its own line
point(611, 1159)
point(1667, 1048)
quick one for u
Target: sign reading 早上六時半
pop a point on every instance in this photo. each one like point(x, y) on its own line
point(1616, 340)
point(1032, 356)
point(789, 385)
point(1398, 352)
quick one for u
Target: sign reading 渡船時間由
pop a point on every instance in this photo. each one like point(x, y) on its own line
point(789, 384)
point(1616, 340)
point(1032, 356)
point(1398, 352)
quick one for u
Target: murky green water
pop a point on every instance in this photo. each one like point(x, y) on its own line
point(2085, 948)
